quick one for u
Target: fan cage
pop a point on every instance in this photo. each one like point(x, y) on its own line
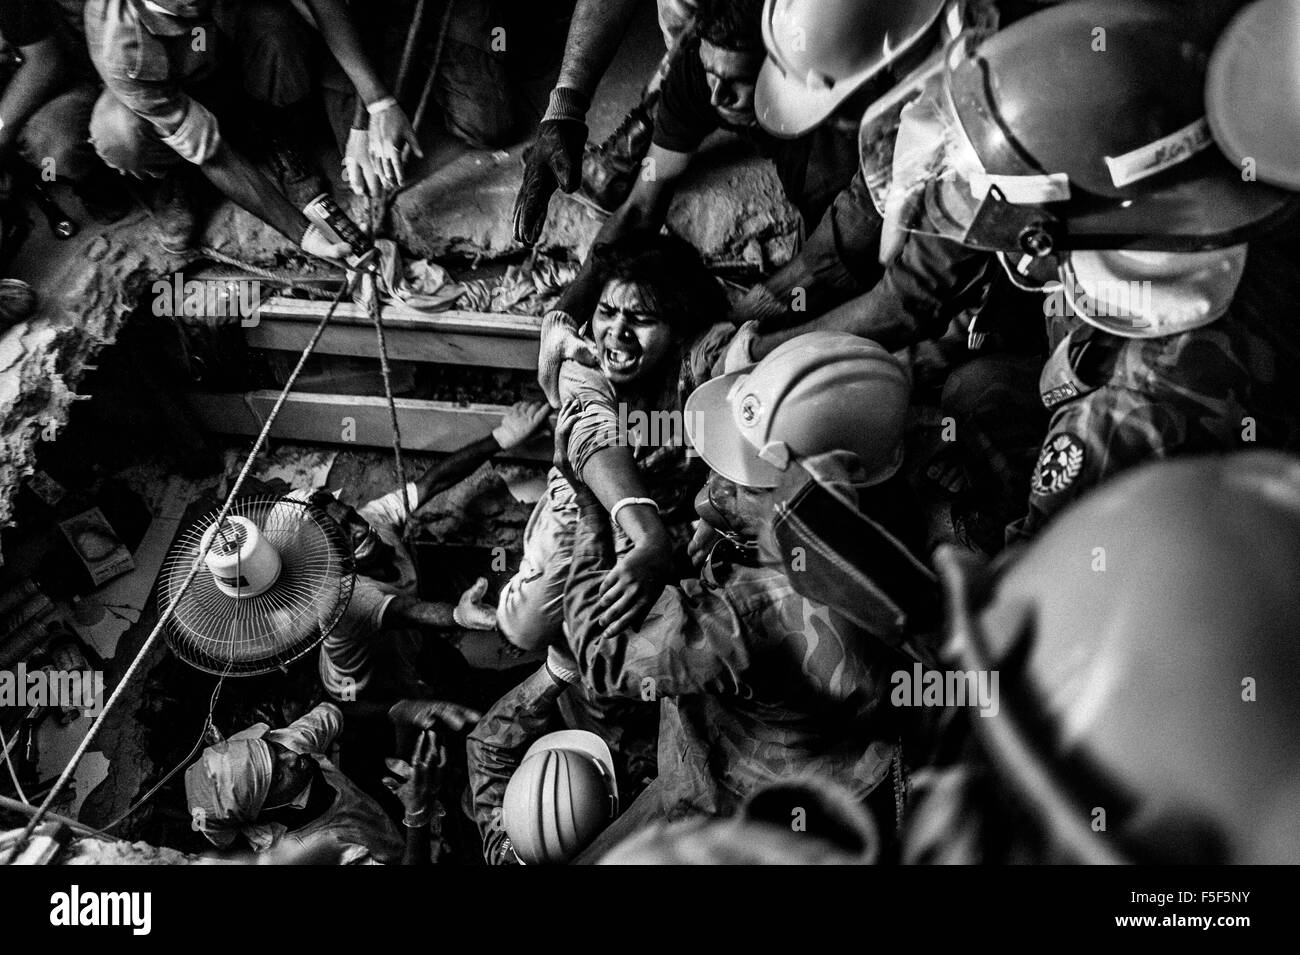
point(248, 636)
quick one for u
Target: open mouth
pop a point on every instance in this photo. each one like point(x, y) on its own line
point(619, 360)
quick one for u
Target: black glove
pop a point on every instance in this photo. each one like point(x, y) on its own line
point(554, 160)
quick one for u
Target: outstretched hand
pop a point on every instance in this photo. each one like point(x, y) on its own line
point(553, 161)
point(414, 783)
point(471, 612)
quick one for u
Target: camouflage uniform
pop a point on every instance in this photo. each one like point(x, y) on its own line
point(544, 702)
point(496, 747)
point(1118, 402)
point(755, 683)
point(1115, 402)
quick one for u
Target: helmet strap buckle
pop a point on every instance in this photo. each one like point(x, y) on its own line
point(1002, 226)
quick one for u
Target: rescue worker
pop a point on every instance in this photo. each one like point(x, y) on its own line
point(1145, 640)
point(498, 745)
point(416, 782)
point(46, 105)
point(1163, 330)
point(383, 628)
point(278, 786)
point(754, 682)
point(554, 161)
point(710, 86)
point(172, 67)
point(807, 820)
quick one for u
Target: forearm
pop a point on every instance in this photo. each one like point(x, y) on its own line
point(421, 613)
point(930, 280)
point(692, 641)
point(612, 475)
point(241, 182)
point(453, 469)
point(340, 35)
point(838, 261)
point(418, 840)
point(595, 33)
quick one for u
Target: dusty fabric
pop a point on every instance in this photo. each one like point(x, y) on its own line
point(530, 610)
point(1202, 391)
point(230, 782)
point(416, 283)
point(755, 683)
point(347, 654)
point(525, 289)
point(228, 785)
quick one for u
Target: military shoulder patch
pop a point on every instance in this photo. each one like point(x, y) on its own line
point(1059, 465)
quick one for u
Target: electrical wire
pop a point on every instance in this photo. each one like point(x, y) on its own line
point(364, 264)
point(207, 724)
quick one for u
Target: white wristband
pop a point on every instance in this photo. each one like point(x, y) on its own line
point(628, 502)
point(379, 105)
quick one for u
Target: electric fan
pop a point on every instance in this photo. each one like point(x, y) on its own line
point(278, 577)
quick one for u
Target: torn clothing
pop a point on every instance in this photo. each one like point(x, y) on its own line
point(228, 785)
point(755, 683)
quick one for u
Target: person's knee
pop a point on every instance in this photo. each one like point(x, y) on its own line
point(56, 139)
point(522, 625)
point(119, 136)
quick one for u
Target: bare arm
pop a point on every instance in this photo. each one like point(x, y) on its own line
point(453, 469)
point(241, 182)
point(340, 35)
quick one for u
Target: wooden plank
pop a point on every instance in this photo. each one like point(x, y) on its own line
point(457, 337)
point(440, 426)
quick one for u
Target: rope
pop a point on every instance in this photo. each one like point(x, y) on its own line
point(280, 278)
point(376, 317)
point(167, 613)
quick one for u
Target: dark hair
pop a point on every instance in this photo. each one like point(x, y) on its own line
point(731, 24)
point(669, 274)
